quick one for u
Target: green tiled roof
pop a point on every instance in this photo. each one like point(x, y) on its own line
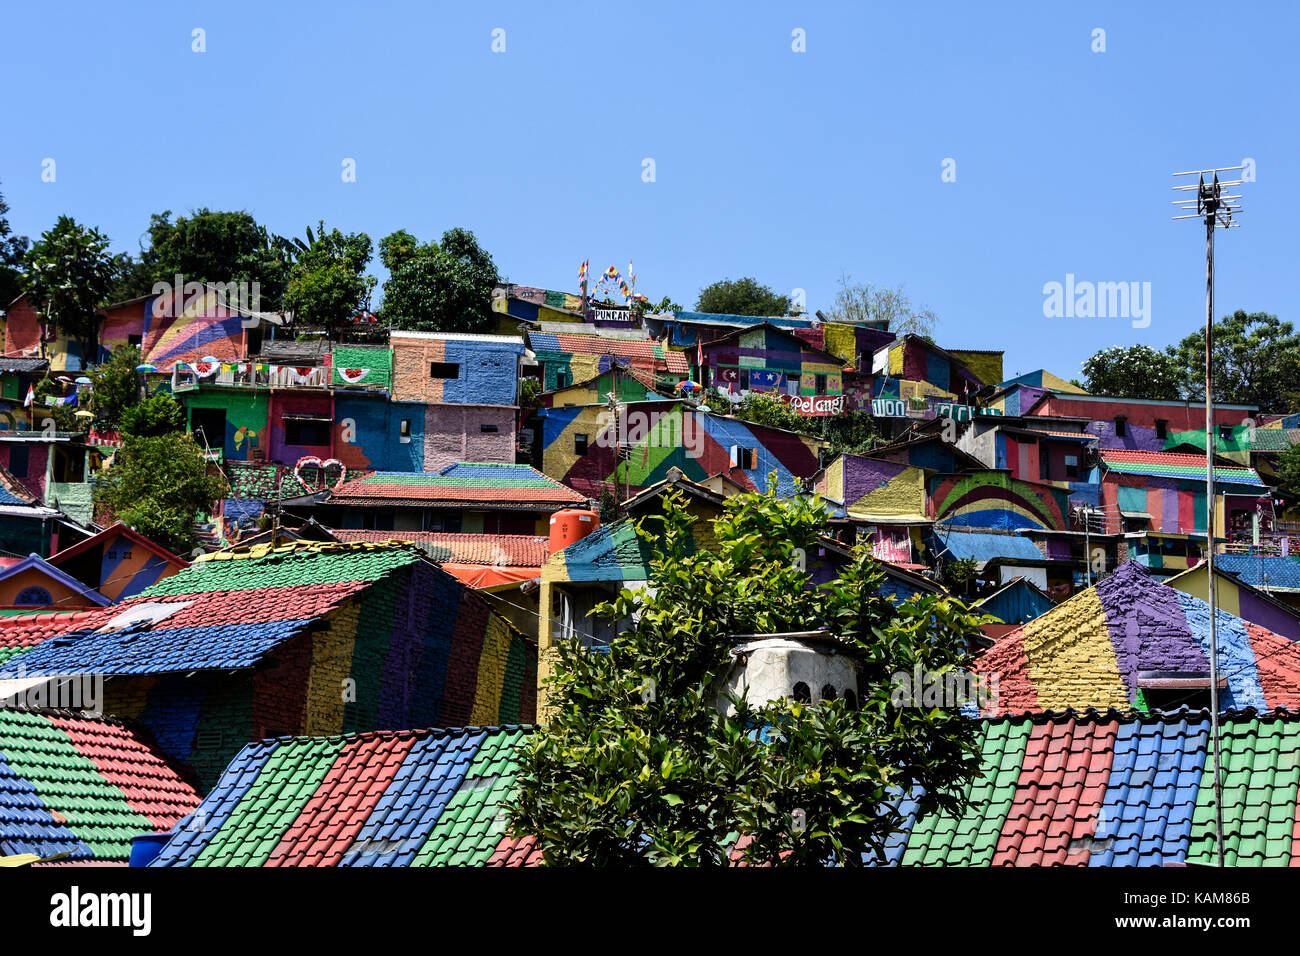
point(940, 839)
point(317, 564)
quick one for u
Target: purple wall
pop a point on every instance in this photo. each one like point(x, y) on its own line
point(1258, 611)
point(864, 475)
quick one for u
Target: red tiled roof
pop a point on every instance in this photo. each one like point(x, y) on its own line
point(506, 550)
point(523, 851)
point(28, 630)
point(599, 345)
point(1153, 457)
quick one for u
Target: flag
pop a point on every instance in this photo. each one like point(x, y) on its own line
point(31, 397)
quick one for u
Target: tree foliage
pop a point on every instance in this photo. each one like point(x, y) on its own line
point(1288, 471)
point(116, 384)
point(855, 431)
point(641, 766)
point(438, 287)
point(157, 415)
point(1135, 371)
point(159, 485)
point(13, 249)
point(69, 271)
point(326, 281)
point(741, 297)
point(1256, 362)
point(208, 246)
point(866, 303)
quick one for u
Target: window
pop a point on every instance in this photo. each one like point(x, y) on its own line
point(444, 370)
point(1121, 426)
point(1162, 429)
point(1225, 433)
point(802, 693)
point(579, 444)
point(447, 522)
point(821, 384)
point(19, 455)
point(1044, 465)
point(306, 431)
point(828, 692)
point(562, 378)
point(743, 458)
point(404, 431)
point(488, 429)
point(1174, 698)
point(34, 597)
point(743, 375)
point(134, 340)
point(1071, 466)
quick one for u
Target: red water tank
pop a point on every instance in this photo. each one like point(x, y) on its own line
point(570, 525)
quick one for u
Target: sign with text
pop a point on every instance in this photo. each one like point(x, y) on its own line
point(815, 405)
point(889, 407)
point(958, 413)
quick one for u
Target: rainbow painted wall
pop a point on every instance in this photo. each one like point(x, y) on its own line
point(579, 447)
point(1091, 650)
point(994, 499)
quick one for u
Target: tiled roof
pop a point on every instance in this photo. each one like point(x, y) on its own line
point(1166, 464)
point(463, 481)
point(12, 491)
point(1271, 439)
point(1093, 650)
point(385, 798)
point(82, 786)
point(613, 552)
point(502, 550)
point(21, 632)
point(1261, 571)
point(225, 611)
point(653, 352)
point(1115, 789)
point(971, 545)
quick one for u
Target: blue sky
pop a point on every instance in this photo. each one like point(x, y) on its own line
point(786, 166)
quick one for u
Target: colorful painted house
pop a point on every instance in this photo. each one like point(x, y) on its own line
point(887, 501)
point(1165, 492)
point(622, 382)
point(916, 359)
point(565, 358)
point(307, 638)
point(1000, 556)
point(766, 359)
point(996, 500)
point(34, 582)
point(385, 798)
point(29, 527)
point(686, 330)
point(469, 387)
point(118, 562)
point(1276, 576)
point(1136, 423)
point(464, 498)
point(80, 788)
point(1130, 641)
point(580, 447)
point(204, 325)
point(1240, 599)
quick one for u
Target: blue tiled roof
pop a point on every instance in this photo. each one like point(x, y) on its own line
point(1280, 572)
point(139, 650)
point(986, 547)
point(544, 341)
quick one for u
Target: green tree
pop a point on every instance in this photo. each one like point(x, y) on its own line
point(741, 297)
point(1134, 371)
point(159, 485)
point(64, 417)
point(159, 414)
point(641, 764)
point(438, 287)
point(1256, 362)
point(865, 303)
point(13, 249)
point(116, 385)
point(326, 281)
point(666, 304)
point(208, 246)
point(69, 271)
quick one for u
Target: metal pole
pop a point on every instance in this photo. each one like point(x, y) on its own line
point(1087, 547)
point(1209, 523)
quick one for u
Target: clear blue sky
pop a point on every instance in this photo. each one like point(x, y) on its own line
point(785, 166)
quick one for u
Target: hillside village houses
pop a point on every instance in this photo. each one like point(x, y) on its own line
point(407, 520)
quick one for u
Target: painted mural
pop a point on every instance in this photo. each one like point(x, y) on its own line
point(876, 490)
point(1094, 649)
point(579, 448)
point(435, 367)
point(767, 359)
point(994, 499)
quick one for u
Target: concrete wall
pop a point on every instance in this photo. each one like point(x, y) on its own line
point(488, 374)
point(455, 433)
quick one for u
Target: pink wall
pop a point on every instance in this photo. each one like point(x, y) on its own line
point(455, 433)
